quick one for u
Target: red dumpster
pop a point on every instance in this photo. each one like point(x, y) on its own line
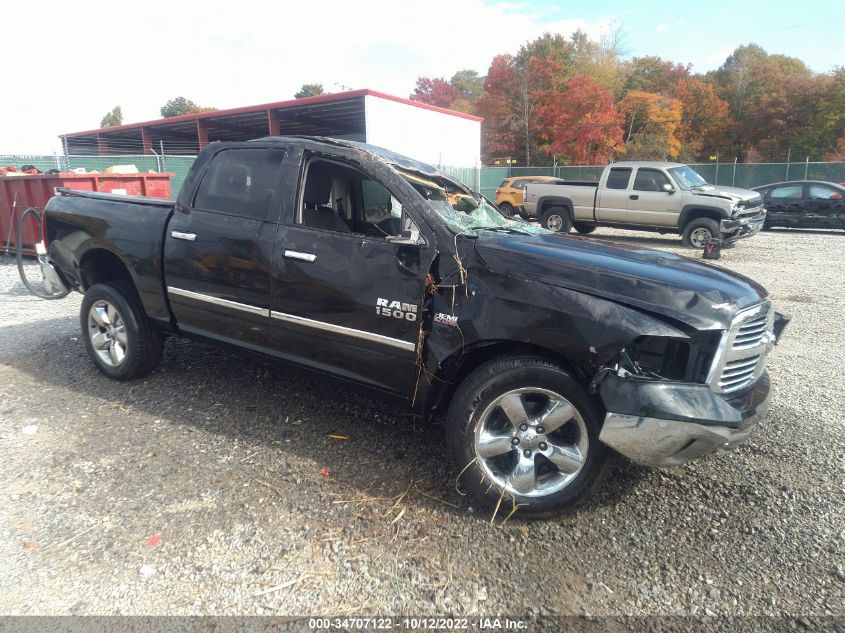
point(20, 192)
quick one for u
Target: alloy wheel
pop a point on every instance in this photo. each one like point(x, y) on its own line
point(107, 333)
point(531, 442)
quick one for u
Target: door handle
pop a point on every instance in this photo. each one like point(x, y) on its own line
point(633, 196)
point(305, 257)
point(179, 235)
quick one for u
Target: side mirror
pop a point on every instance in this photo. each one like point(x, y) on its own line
point(668, 188)
point(407, 238)
point(410, 235)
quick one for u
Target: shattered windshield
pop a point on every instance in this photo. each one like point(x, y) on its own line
point(688, 178)
point(463, 212)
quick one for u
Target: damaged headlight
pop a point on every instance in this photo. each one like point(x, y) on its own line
point(669, 358)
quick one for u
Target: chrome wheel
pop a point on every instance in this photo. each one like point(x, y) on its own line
point(531, 441)
point(555, 223)
point(700, 236)
point(107, 333)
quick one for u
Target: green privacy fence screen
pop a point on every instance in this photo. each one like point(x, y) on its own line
point(486, 179)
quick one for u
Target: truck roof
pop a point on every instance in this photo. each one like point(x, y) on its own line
point(380, 152)
point(645, 163)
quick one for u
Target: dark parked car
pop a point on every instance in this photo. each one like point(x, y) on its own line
point(807, 204)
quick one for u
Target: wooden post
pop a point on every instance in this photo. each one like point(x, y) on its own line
point(272, 124)
point(202, 134)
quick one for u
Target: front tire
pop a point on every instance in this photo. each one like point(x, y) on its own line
point(118, 336)
point(698, 231)
point(522, 431)
point(556, 219)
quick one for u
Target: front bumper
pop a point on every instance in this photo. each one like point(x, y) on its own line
point(660, 423)
point(739, 227)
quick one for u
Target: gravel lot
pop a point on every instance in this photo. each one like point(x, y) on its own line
point(213, 487)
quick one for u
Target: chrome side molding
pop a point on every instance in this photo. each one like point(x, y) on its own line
point(296, 320)
point(234, 305)
point(347, 331)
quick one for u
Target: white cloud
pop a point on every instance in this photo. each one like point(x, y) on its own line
point(78, 60)
point(661, 27)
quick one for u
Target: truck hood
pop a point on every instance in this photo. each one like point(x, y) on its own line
point(734, 194)
point(702, 296)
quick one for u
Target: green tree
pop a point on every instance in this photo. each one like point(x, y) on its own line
point(112, 118)
point(469, 84)
point(309, 90)
point(180, 106)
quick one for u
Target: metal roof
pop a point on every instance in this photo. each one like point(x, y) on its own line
point(336, 115)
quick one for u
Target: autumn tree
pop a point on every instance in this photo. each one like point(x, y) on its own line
point(654, 74)
point(469, 84)
point(470, 87)
point(651, 124)
point(309, 90)
point(513, 91)
point(497, 104)
point(581, 123)
point(180, 106)
point(435, 91)
point(704, 118)
point(826, 129)
point(112, 118)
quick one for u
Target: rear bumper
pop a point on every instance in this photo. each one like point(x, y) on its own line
point(658, 423)
point(737, 228)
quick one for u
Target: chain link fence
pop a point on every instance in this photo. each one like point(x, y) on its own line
point(484, 179)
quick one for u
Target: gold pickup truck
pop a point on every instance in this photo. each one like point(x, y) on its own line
point(649, 196)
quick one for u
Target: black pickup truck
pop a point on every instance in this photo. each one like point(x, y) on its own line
point(539, 350)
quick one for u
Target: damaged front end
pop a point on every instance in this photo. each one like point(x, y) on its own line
point(670, 401)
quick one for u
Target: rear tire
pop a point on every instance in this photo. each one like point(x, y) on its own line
point(544, 470)
point(118, 336)
point(506, 209)
point(698, 231)
point(556, 219)
point(585, 229)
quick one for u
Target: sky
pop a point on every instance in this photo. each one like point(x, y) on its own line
point(68, 63)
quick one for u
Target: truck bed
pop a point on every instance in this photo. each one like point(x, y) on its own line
point(133, 227)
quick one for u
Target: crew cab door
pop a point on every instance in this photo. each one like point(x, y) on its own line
point(612, 199)
point(346, 299)
point(649, 203)
point(218, 250)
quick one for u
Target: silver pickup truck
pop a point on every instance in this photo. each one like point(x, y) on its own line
point(649, 196)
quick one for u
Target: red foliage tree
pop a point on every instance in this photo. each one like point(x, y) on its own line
point(435, 91)
point(581, 122)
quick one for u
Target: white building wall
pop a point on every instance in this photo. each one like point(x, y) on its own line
point(426, 135)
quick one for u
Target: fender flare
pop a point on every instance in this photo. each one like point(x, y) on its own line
point(690, 209)
point(555, 201)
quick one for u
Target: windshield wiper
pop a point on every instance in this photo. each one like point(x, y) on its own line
point(502, 229)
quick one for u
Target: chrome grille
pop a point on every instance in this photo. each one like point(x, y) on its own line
point(740, 359)
point(751, 332)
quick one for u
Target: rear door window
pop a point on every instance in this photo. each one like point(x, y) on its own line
point(240, 182)
point(821, 192)
point(618, 178)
